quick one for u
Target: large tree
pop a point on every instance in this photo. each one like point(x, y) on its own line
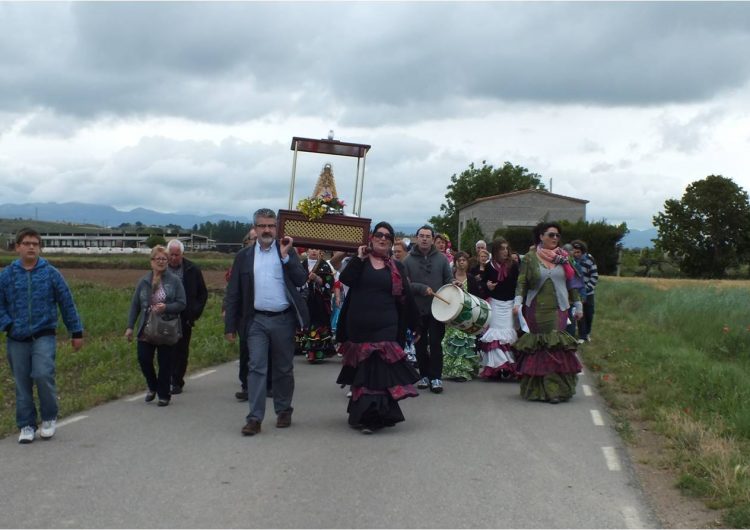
point(474, 183)
point(708, 230)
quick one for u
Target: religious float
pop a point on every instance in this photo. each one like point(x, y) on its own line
point(319, 221)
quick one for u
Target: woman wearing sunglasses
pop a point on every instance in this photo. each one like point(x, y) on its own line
point(547, 363)
point(372, 331)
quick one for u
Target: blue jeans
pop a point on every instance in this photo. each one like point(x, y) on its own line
point(34, 362)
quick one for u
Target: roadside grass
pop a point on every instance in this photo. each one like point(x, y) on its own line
point(106, 368)
point(678, 357)
point(205, 260)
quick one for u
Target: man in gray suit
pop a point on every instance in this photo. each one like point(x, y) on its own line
point(262, 298)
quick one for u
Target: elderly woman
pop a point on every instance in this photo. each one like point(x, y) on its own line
point(495, 345)
point(160, 291)
point(372, 331)
point(547, 360)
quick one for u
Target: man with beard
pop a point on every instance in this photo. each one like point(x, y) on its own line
point(263, 298)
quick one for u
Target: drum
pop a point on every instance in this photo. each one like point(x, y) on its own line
point(461, 310)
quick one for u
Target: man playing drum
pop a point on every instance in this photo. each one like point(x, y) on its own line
point(428, 270)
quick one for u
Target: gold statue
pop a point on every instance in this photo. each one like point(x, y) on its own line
point(325, 188)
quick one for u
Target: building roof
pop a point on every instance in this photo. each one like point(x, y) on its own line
point(522, 192)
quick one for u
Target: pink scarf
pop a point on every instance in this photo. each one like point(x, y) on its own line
point(558, 256)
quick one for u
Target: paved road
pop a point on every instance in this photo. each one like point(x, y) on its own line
point(475, 456)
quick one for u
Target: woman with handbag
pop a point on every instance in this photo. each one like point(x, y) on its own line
point(159, 298)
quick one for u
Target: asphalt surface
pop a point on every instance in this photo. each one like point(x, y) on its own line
point(475, 456)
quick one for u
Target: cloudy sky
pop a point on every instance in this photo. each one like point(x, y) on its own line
point(191, 107)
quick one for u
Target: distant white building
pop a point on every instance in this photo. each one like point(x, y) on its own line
point(112, 242)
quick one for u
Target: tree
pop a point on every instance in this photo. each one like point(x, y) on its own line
point(155, 239)
point(474, 183)
point(707, 231)
point(471, 234)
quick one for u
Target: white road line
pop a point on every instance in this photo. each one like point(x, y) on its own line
point(596, 417)
point(202, 374)
point(613, 463)
point(632, 519)
point(71, 420)
point(136, 398)
point(587, 390)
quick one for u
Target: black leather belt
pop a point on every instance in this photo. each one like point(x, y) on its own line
point(274, 313)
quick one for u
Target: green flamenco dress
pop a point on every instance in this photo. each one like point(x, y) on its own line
point(548, 365)
point(460, 358)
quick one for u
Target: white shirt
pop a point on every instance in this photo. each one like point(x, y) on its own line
point(268, 274)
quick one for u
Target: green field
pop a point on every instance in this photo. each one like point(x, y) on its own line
point(675, 355)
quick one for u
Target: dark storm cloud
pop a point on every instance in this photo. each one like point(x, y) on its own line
point(361, 63)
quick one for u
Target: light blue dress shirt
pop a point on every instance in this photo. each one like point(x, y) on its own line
point(268, 273)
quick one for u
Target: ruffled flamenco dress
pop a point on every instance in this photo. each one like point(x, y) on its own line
point(548, 365)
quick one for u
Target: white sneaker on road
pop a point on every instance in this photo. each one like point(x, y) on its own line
point(48, 429)
point(27, 435)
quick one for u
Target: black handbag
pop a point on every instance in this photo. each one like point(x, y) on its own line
point(162, 329)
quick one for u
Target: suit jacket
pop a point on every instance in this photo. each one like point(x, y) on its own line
point(239, 299)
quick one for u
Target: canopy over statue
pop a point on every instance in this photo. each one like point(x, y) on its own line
point(318, 220)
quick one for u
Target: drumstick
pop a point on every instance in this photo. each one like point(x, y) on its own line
point(440, 298)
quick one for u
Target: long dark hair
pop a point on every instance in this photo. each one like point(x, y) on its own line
point(497, 246)
point(542, 228)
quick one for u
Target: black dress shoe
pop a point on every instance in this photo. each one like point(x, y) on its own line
point(163, 402)
point(241, 396)
point(284, 419)
point(149, 396)
point(176, 389)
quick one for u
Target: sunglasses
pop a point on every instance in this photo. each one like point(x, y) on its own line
point(382, 235)
point(552, 234)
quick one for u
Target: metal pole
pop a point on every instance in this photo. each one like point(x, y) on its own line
point(294, 174)
point(362, 185)
point(356, 190)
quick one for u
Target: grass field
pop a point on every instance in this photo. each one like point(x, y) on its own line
point(675, 354)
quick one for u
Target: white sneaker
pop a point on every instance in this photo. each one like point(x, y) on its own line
point(27, 435)
point(581, 341)
point(48, 429)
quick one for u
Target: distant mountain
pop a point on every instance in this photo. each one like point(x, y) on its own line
point(640, 238)
point(78, 212)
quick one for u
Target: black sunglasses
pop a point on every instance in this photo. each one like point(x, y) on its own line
point(382, 235)
point(552, 234)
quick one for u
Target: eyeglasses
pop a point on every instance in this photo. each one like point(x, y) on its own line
point(160, 259)
point(553, 234)
point(425, 236)
point(382, 235)
point(30, 243)
point(262, 227)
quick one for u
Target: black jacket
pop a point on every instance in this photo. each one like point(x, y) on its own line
point(408, 313)
point(195, 292)
point(239, 299)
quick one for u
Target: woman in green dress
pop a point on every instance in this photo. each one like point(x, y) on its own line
point(547, 362)
point(460, 359)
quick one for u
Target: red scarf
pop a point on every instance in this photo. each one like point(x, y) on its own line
point(397, 283)
point(502, 270)
point(558, 256)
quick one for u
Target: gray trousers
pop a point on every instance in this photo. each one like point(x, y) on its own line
point(270, 336)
